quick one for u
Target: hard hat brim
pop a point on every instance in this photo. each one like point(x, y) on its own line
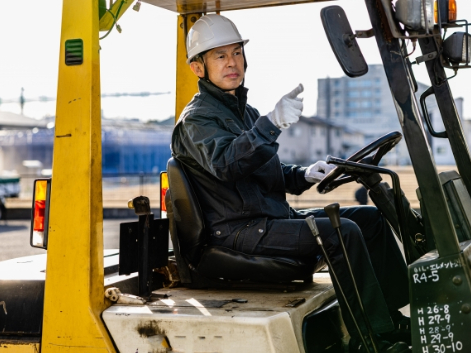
point(243, 41)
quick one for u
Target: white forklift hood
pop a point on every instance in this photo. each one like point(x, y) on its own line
point(225, 321)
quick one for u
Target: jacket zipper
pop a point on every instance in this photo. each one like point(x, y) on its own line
point(238, 233)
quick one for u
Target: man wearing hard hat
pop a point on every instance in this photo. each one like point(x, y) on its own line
point(230, 151)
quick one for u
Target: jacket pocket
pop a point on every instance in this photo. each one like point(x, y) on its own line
point(233, 127)
point(251, 235)
point(241, 230)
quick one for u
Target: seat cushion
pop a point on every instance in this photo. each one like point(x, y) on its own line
point(221, 262)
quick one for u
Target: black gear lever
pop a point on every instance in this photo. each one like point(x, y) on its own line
point(312, 225)
point(332, 211)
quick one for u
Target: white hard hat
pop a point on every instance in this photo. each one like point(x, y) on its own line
point(209, 32)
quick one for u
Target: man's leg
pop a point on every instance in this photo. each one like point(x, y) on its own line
point(387, 261)
point(369, 288)
point(386, 258)
point(292, 237)
point(3, 209)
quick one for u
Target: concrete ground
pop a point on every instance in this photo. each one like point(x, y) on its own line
point(14, 237)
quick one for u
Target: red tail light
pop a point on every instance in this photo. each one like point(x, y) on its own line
point(163, 190)
point(39, 221)
point(39, 212)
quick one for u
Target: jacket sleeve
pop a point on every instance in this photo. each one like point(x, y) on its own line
point(227, 155)
point(295, 182)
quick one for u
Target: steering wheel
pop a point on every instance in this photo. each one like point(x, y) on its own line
point(382, 146)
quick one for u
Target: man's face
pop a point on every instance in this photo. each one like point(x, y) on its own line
point(225, 67)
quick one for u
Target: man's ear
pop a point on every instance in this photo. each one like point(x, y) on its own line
point(197, 68)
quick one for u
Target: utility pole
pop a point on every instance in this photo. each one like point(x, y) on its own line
point(22, 100)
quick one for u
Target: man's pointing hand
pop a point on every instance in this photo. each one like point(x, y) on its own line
point(288, 109)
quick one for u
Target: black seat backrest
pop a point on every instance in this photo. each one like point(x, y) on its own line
point(186, 212)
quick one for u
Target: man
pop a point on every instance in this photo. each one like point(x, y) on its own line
point(230, 152)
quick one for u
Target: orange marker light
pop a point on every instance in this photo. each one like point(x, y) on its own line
point(435, 11)
point(163, 190)
point(452, 10)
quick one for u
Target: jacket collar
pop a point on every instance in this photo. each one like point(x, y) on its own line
point(237, 101)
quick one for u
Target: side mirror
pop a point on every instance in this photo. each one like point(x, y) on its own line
point(343, 41)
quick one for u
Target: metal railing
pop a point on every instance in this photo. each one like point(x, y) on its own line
point(118, 188)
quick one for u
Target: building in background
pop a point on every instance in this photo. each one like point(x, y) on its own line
point(365, 104)
point(306, 141)
point(18, 121)
point(351, 112)
point(135, 147)
point(128, 146)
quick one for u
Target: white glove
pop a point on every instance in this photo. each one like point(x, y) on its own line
point(317, 171)
point(288, 109)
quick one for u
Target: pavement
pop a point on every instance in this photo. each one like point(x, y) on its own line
point(14, 237)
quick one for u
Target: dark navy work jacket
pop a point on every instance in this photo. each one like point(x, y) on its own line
point(230, 153)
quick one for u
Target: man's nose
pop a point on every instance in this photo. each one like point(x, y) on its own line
point(231, 61)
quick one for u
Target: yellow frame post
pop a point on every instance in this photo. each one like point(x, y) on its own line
point(186, 80)
point(74, 293)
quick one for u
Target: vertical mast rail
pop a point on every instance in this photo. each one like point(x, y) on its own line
point(448, 111)
point(74, 292)
point(401, 86)
point(186, 81)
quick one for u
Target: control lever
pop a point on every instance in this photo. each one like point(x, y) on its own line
point(332, 211)
point(315, 232)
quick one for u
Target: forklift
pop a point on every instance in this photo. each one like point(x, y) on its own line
point(148, 297)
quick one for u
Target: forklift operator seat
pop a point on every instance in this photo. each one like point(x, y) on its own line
point(199, 262)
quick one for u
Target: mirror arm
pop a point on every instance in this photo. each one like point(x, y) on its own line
point(365, 34)
point(349, 38)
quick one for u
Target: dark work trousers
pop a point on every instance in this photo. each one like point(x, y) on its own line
point(377, 263)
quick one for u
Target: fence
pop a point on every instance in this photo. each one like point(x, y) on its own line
point(119, 188)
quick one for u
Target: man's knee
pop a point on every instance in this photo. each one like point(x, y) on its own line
point(350, 232)
point(369, 219)
point(368, 213)
point(349, 228)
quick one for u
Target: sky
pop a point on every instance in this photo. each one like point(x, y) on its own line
point(287, 46)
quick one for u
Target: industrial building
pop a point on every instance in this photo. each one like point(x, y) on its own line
point(129, 146)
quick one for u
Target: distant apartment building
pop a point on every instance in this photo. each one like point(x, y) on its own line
point(312, 139)
point(365, 104)
point(127, 147)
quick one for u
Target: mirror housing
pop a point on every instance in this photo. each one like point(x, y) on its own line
point(415, 15)
point(343, 41)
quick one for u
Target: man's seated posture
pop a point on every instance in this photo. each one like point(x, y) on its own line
point(230, 151)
